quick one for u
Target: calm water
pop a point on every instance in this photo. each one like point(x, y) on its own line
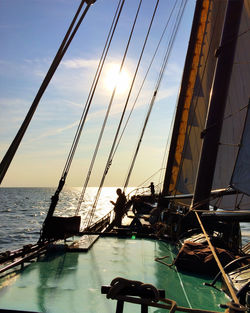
point(23, 210)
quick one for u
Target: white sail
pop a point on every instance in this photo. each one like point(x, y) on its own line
point(194, 97)
point(200, 97)
point(188, 146)
point(234, 118)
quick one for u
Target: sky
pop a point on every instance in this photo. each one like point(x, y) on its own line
point(30, 33)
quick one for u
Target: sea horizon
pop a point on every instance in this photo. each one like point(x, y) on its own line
point(23, 210)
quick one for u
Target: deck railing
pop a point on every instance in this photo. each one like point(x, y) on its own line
point(102, 223)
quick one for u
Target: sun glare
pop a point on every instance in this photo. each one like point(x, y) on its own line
point(114, 79)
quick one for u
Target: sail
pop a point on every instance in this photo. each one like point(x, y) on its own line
point(235, 118)
point(241, 175)
point(194, 97)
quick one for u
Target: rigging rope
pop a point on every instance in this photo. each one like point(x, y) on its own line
point(54, 65)
point(148, 179)
point(165, 155)
point(55, 197)
point(163, 67)
point(112, 151)
point(94, 85)
point(144, 79)
point(142, 84)
point(81, 199)
point(107, 113)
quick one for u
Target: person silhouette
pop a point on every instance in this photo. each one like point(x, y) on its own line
point(152, 189)
point(119, 207)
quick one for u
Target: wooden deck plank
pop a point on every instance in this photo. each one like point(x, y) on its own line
point(83, 244)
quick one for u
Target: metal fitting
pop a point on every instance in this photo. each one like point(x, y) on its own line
point(235, 308)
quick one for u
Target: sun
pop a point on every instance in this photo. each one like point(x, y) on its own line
point(114, 79)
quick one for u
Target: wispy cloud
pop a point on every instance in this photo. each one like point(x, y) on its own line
point(73, 103)
point(59, 130)
point(72, 82)
point(174, 70)
point(80, 63)
point(167, 92)
point(54, 132)
point(12, 102)
point(12, 113)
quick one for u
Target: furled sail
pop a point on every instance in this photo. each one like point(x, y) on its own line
point(194, 98)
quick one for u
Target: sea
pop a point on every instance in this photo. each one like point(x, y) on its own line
point(23, 210)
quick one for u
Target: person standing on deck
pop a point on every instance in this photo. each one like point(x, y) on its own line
point(152, 189)
point(119, 207)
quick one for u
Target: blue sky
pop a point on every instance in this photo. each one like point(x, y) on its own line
point(31, 32)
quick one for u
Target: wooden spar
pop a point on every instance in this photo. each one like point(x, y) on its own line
point(214, 193)
point(217, 103)
point(182, 96)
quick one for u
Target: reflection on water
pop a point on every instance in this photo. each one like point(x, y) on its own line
point(23, 211)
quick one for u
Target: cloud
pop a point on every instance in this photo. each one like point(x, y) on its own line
point(174, 70)
point(167, 93)
point(73, 79)
point(53, 132)
point(59, 130)
point(12, 113)
point(73, 103)
point(12, 102)
point(80, 63)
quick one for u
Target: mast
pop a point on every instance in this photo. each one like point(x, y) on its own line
point(211, 134)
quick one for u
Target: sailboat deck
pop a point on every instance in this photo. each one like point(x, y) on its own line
point(71, 282)
point(83, 244)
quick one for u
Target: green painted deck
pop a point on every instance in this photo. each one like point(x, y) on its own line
point(71, 282)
